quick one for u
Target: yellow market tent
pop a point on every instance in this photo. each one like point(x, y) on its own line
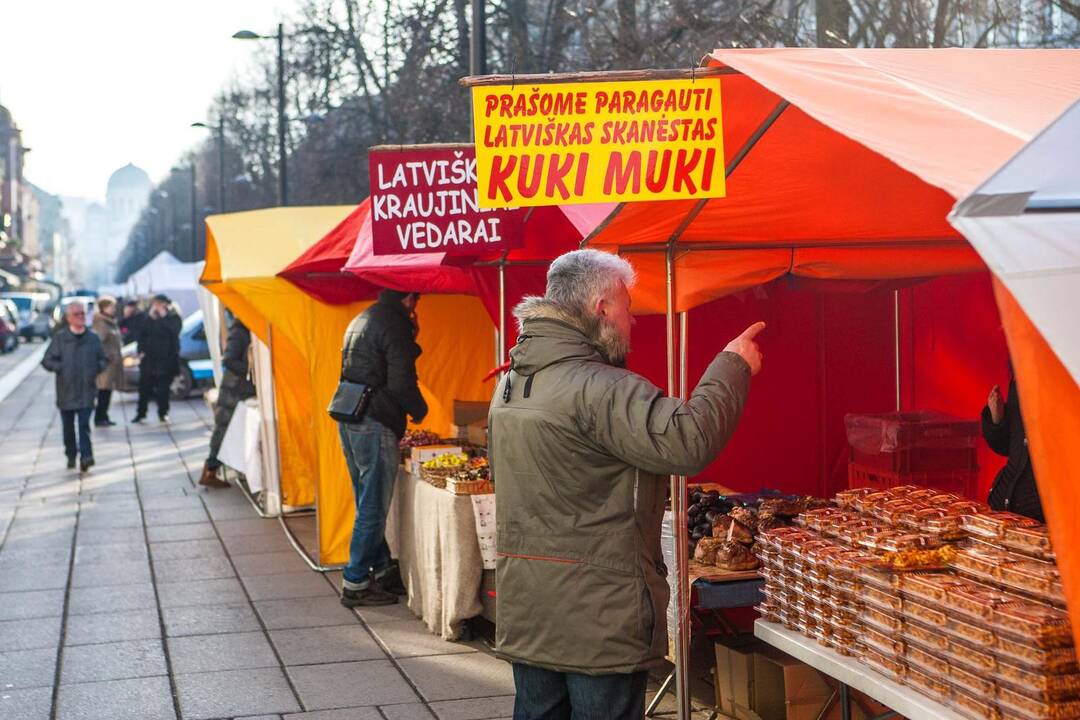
point(244, 253)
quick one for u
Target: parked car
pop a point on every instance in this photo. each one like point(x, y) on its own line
point(196, 370)
point(88, 301)
point(32, 314)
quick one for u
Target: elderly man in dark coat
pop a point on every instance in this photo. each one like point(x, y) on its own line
point(76, 356)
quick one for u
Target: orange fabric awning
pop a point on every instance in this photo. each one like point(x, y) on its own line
point(861, 150)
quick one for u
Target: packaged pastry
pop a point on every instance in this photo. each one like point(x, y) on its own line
point(886, 622)
point(971, 633)
point(916, 519)
point(981, 562)
point(823, 635)
point(776, 537)
point(845, 587)
point(846, 498)
point(974, 659)
point(920, 635)
point(847, 646)
point(947, 527)
point(925, 614)
point(769, 612)
point(890, 602)
point(922, 494)
point(852, 531)
point(881, 642)
point(1028, 708)
point(932, 587)
point(1038, 685)
point(974, 707)
point(927, 662)
point(993, 524)
point(1034, 541)
point(877, 574)
point(1048, 660)
point(893, 511)
point(977, 601)
point(927, 684)
point(1035, 578)
point(889, 667)
point(895, 541)
point(1032, 622)
point(966, 507)
point(816, 519)
point(977, 683)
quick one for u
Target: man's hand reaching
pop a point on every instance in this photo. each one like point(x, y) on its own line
point(745, 347)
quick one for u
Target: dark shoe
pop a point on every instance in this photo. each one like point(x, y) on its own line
point(138, 419)
point(391, 582)
point(71, 463)
point(103, 423)
point(210, 479)
point(86, 464)
point(371, 596)
point(163, 418)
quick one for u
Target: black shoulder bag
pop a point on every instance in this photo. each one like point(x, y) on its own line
point(351, 400)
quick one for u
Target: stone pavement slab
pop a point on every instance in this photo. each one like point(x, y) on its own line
point(287, 586)
point(336, 643)
point(220, 591)
point(338, 685)
point(410, 711)
point(29, 704)
point(187, 550)
point(108, 574)
point(209, 619)
point(407, 638)
point(303, 612)
point(458, 677)
point(271, 563)
point(112, 661)
point(31, 604)
point(207, 696)
point(83, 601)
point(30, 634)
point(175, 533)
point(136, 699)
point(475, 709)
point(184, 570)
point(232, 651)
point(27, 669)
point(112, 627)
point(356, 713)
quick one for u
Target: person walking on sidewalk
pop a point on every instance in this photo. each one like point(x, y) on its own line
point(581, 450)
point(76, 356)
point(159, 350)
point(112, 378)
point(380, 351)
point(236, 387)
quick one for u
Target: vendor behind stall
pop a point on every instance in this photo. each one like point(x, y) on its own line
point(379, 355)
point(581, 451)
point(1014, 487)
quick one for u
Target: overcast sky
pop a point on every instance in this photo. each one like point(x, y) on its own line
point(95, 85)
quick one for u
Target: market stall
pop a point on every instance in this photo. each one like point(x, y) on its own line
point(245, 252)
point(820, 192)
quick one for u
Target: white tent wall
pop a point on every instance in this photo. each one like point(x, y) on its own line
point(1025, 223)
point(263, 371)
point(212, 326)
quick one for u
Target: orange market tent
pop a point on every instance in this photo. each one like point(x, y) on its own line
point(245, 251)
point(843, 166)
point(1025, 222)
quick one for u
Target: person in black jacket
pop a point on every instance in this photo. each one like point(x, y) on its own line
point(380, 350)
point(1014, 488)
point(76, 356)
point(236, 386)
point(159, 353)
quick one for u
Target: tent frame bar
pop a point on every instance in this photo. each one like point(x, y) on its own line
point(895, 243)
point(689, 73)
point(301, 551)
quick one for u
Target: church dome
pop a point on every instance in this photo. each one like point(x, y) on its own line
point(130, 177)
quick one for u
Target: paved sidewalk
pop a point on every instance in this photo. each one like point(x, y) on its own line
point(130, 594)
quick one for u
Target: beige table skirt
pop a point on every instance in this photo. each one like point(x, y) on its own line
point(432, 533)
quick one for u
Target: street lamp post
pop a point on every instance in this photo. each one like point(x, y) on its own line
point(220, 129)
point(283, 181)
point(194, 217)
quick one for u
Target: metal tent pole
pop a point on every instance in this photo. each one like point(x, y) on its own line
point(896, 343)
point(678, 512)
point(502, 312)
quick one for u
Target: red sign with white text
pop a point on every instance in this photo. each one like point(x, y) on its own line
point(423, 200)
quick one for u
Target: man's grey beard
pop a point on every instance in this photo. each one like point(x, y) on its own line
point(612, 344)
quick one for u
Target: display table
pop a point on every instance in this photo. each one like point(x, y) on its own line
point(850, 673)
point(433, 535)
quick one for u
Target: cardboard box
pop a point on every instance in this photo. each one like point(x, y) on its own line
point(424, 453)
point(466, 412)
point(478, 433)
point(735, 676)
point(787, 689)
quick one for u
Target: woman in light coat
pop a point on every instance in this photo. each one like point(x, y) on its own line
point(112, 378)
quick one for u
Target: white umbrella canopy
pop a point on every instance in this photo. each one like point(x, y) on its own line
point(1025, 223)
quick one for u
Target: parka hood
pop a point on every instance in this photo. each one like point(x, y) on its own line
point(549, 335)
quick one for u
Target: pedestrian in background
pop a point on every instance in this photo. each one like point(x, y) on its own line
point(236, 386)
point(76, 356)
point(159, 353)
point(131, 321)
point(112, 378)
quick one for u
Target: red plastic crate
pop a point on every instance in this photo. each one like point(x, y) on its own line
point(961, 482)
point(913, 443)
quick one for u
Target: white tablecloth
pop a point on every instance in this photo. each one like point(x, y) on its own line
point(433, 535)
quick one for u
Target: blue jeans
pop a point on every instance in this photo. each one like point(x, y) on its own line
point(371, 452)
point(548, 695)
point(67, 418)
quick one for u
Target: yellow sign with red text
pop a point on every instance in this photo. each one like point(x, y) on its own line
point(569, 143)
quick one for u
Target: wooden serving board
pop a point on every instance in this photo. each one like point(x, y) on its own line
point(713, 574)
